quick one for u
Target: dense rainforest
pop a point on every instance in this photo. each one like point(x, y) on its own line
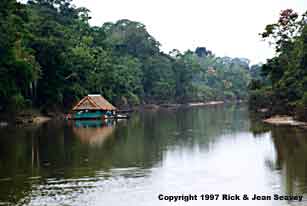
point(282, 88)
point(50, 56)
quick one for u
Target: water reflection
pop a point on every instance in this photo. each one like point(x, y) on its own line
point(192, 150)
point(93, 132)
point(290, 145)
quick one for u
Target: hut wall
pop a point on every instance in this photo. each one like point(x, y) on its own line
point(89, 115)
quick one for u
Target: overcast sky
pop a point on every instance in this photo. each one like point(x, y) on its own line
point(227, 27)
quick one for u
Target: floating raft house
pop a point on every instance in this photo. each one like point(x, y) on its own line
point(93, 106)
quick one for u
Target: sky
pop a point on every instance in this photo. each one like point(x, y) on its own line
point(226, 27)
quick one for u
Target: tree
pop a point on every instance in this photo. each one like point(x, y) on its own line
point(18, 67)
point(286, 72)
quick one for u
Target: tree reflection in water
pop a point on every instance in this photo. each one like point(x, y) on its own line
point(290, 145)
point(37, 162)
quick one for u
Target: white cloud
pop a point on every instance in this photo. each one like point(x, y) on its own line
point(226, 27)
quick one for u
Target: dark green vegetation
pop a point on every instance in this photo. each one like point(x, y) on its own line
point(50, 56)
point(284, 86)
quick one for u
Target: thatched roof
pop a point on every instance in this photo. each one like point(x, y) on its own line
point(94, 102)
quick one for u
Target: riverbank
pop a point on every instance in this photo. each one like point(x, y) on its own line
point(35, 117)
point(172, 106)
point(285, 120)
point(32, 119)
point(197, 104)
point(286, 117)
point(24, 118)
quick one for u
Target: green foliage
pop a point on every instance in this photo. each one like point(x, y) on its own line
point(18, 67)
point(286, 72)
point(260, 98)
point(51, 56)
point(216, 78)
point(17, 102)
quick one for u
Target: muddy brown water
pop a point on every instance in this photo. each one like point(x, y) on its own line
point(209, 150)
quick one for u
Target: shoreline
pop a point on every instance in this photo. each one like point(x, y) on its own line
point(22, 119)
point(31, 120)
point(197, 104)
point(36, 118)
point(175, 105)
point(285, 120)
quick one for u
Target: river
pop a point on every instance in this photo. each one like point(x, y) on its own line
point(209, 150)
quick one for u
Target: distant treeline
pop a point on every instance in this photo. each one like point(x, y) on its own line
point(283, 86)
point(50, 56)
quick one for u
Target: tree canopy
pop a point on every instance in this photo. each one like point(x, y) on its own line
point(285, 75)
point(51, 56)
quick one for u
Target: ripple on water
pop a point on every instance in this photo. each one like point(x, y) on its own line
point(199, 151)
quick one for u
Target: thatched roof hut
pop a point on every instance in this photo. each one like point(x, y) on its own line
point(94, 102)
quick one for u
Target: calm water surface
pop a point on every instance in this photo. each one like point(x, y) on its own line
point(188, 151)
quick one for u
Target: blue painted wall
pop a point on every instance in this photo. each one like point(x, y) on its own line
point(89, 115)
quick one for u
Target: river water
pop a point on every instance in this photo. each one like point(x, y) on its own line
point(211, 150)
